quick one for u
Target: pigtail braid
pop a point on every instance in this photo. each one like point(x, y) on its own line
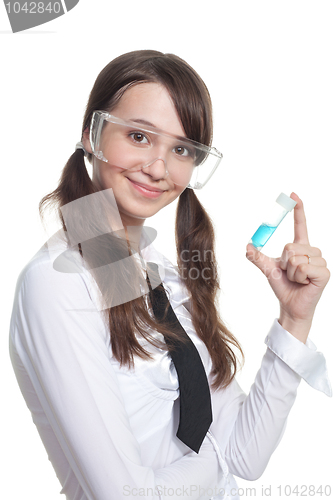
point(74, 183)
point(195, 242)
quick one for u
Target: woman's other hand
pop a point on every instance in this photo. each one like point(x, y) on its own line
point(297, 278)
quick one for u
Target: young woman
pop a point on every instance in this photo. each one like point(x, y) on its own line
point(104, 371)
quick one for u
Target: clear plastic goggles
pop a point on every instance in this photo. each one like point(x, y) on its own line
point(133, 146)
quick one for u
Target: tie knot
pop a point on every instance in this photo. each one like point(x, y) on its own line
point(153, 275)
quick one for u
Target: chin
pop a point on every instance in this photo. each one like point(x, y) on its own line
point(141, 216)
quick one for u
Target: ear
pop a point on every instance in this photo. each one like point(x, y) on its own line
point(86, 141)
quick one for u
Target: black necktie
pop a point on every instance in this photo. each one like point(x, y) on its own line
point(195, 403)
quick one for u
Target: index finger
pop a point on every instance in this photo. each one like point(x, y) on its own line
point(300, 228)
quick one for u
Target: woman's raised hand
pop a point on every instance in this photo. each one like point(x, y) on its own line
point(297, 278)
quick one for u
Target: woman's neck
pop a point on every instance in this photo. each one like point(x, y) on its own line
point(133, 236)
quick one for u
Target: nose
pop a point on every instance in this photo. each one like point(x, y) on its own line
point(157, 169)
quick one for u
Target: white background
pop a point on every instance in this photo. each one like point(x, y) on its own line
point(268, 66)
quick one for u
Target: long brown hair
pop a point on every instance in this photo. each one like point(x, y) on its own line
point(194, 230)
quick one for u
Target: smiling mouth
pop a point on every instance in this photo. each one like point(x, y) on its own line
point(148, 191)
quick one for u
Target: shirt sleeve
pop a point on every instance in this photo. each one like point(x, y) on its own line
point(60, 340)
point(248, 428)
point(304, 359)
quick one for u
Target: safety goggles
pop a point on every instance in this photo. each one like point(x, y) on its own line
point(135, 146)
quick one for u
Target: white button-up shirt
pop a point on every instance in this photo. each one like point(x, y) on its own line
point(110, 431)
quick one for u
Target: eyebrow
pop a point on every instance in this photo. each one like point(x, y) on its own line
point(144, 122)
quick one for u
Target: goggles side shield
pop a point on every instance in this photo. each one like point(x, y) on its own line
point(133, 146)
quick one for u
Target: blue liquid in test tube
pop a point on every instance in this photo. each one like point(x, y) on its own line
point(283, 205)
point(262, 235)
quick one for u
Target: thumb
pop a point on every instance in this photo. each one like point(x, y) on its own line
point(263, 262)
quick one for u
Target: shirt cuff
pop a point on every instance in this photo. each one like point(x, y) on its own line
point(304, 359)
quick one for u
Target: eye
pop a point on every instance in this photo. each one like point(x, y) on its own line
point(139, 137)
point(183, 151)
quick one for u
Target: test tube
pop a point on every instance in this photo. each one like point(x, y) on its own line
point(279, 210)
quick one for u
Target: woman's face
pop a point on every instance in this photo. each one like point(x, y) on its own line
point(140, 193)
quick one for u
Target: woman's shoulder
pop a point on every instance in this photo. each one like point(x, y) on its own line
point(55, 270)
